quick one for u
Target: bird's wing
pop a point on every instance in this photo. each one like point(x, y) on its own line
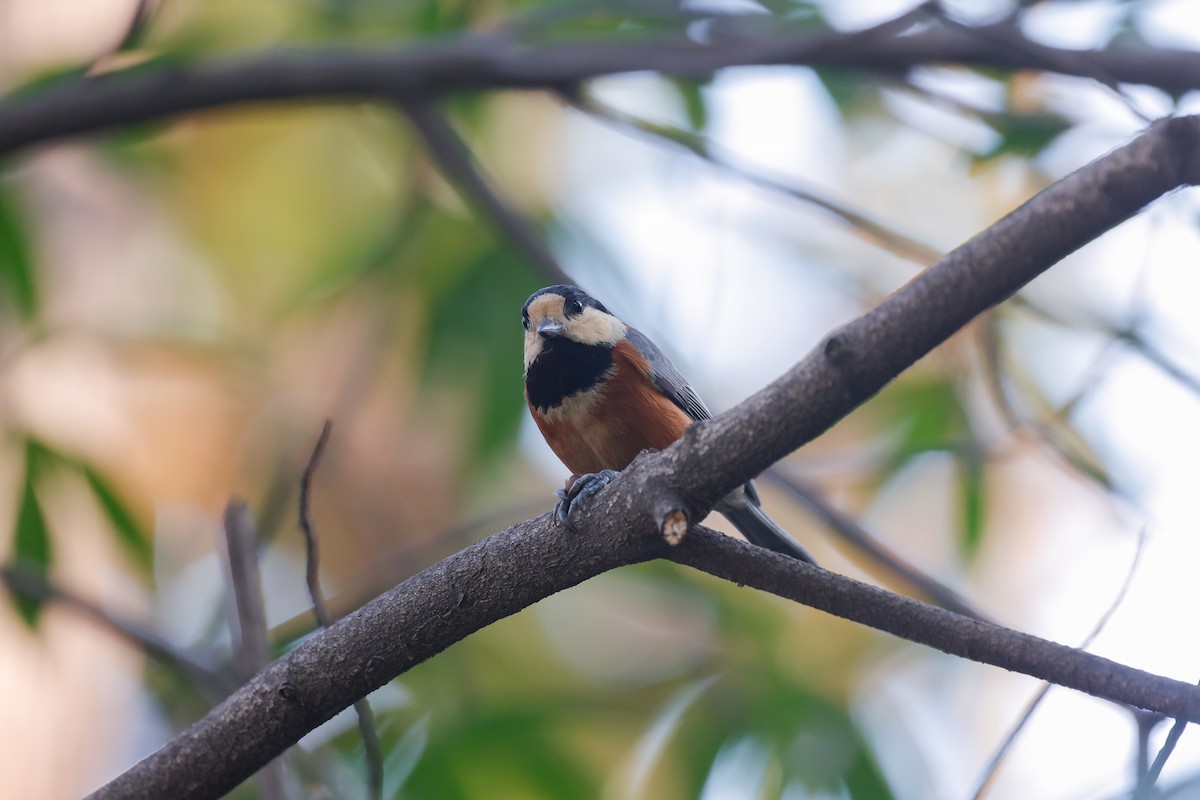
point(666, 378)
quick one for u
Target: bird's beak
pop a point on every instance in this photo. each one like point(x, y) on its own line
point(549, 329)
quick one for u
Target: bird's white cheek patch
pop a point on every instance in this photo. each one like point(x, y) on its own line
point(596, 327)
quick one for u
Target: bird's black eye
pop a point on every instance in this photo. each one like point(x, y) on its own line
point(525, 319)
point(574, 307)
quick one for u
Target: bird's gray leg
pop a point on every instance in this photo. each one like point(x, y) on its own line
point(575, 496)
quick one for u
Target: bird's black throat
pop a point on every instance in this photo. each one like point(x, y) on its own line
point(563, 368)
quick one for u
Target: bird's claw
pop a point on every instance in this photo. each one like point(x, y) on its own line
point(572, 499)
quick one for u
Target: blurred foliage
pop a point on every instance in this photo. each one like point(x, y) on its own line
point(18, 280)
point(130, 533)
point(31, 546)
point(929, 416)
point(321, 239)
point(1023, 135)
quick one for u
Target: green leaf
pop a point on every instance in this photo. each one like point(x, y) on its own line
point(850, 91)
point(691, 94)
point(932, 416)
point(514, 752)
point(403, 757)
point(130, 533)
point(32, 548)
point(132, 536)
point(972, 485)
point(1023, 135)
point(17, 280)
point(864, 779)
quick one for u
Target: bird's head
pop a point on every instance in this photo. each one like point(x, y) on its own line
point(565, 314)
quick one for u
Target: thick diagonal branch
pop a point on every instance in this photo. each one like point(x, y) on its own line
point(515, 568)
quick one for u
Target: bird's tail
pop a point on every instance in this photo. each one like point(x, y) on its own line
point(742, 509)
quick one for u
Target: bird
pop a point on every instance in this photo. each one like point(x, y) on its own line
point(601, 391)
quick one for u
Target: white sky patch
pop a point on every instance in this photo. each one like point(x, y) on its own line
point(1169, 23)
point(961, 85)
point(739, 772)
point(946, 124)
point(856, 14)
point(722, 7)
point(1078, 25)
point(780, 118)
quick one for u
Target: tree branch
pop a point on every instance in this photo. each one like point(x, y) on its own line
point(457, 164)
point(213, 684)
point(250, 613)
point(252, 654)
point(362, 706)
point(411, 74)
point(881, 235)
point(515, 568)
point(854, 534)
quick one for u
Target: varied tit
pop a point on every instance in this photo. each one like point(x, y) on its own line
point(601, 392)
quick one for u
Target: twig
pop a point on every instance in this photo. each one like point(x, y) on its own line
point(241, 545)
point(871, 230)
point(1146, 722)
point(395, 565)
point(362, 706)
point(1043, 433)
point(211, 682)
point(1071, 62)
point(1145, 787)
point(855, 534)
point(312, 573)
point(1128, 335)
point(993, 766)
point(454, 158)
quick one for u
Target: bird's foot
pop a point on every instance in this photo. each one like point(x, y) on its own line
point(578, 492)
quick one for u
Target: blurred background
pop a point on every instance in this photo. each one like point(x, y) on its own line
point(183, 304)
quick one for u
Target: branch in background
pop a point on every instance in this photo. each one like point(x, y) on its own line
point(1044, 433)
point(859, 538)
point(515, 568)
point(895, 242)
point(1145, 788)
point(312, 573)
point(362, 706)
point(454, 159)
point(1007, 34)
point(417, 74)
point(993, 766)
point(1127, 334)
point(1144, 784)
point(395, 563)
point(241, 546)
point(211, 683)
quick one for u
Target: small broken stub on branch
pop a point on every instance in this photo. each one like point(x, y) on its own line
point(674, 526)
